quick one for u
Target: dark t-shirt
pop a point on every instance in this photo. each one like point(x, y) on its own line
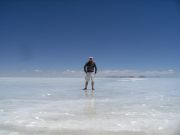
point(90, 66)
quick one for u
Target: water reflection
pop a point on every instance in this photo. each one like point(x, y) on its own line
point(90, 104)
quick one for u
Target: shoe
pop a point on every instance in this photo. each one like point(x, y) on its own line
point(85, 89)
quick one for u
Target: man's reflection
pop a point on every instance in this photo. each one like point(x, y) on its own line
point(90, 104)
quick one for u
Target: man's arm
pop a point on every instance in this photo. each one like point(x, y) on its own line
point(85, 68)
point(95, 68)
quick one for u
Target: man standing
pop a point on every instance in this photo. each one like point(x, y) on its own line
point(89, 70)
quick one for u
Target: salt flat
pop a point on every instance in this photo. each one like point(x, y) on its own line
point(118, 106)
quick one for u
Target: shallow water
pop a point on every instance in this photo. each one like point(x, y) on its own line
point(118, 106)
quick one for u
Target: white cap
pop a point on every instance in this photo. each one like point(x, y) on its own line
point(90, 57)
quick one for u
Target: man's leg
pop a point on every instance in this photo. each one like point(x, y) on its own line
point(92, 84)
point(87, 80)
point(86, 84)
point(92, 80)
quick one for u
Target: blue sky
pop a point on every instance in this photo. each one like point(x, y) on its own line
point(120, 34)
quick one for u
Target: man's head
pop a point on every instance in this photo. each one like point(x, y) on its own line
point(90, 58)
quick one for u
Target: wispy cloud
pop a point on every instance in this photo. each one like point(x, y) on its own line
point(124, 73)
point(72, 73)
point(37, 70)
point(100, 73)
